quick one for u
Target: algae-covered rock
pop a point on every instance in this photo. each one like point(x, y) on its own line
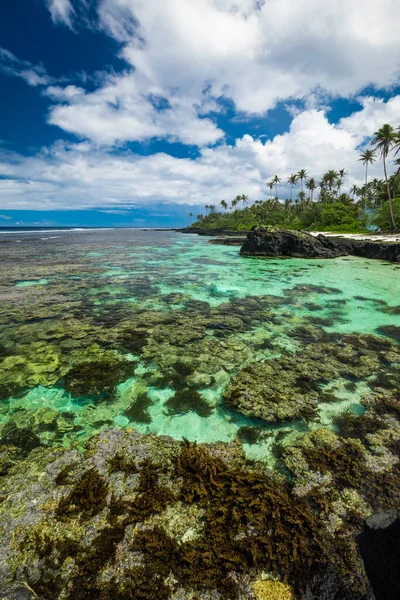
point(148, 517)
point(293, 385)
point(272, 590)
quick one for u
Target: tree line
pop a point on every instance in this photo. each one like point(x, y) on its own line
point(376, 201)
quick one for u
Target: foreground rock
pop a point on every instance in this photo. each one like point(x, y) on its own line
point(298, 244)
point(148, 518)
point(380, 548)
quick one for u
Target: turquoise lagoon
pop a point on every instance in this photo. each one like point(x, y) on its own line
point(67, 299)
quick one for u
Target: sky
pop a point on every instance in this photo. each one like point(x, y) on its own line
point(140, 112)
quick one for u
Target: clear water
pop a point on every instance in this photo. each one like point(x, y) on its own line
point(75, 278)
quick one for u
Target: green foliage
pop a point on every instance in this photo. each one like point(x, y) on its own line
point(382, 218)
point(332, 213)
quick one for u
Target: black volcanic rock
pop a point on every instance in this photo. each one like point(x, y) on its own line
point(380, 548)
point(298, 244)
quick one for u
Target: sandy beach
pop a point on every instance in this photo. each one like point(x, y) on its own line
point(376, 237)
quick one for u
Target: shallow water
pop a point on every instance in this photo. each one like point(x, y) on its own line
point(80, 296)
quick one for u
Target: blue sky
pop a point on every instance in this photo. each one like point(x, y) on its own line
point(138, 112)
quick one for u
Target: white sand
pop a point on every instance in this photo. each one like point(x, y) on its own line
point(393, 237)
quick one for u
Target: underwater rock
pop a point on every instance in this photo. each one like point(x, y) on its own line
point(96, 377)
point(299, 244)
point(391, 331)
point(187, 400)
point(291, 386)
point(380, 548)
point(22, 438)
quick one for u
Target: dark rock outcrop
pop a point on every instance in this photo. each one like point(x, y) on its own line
point(210, 232)
point(380, 549)
point(299, 244)
point(229, 241)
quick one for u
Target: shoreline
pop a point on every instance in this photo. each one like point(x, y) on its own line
point(371, 237)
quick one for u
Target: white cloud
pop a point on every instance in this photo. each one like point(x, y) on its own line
point(258, 53)
point(61, 11)
point(34, 75)
point(125, 109)
point(84, 176)
point(192, 52)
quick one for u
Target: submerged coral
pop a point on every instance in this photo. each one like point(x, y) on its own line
point(292, 385)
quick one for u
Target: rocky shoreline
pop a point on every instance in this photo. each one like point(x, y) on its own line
point(265, 242)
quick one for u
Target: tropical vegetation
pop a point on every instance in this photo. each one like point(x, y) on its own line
point(321, 205)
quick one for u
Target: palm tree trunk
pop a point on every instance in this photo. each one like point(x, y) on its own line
point(388, 193)
point(366, 181)
point(291, 192)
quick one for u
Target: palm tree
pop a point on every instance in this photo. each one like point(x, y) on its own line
point(384, 140)
point(311, 186)
point(244, 198)
point(234, 202)
point(206, 207)
point(302, 174)
point(292, 181)
point(354, 190)
point(331, 177)
point(270, 185)
point(212, 208)
point(224, 204)
point(190, 216)
point(342, 175)
point(275, 180)
point(367, 158)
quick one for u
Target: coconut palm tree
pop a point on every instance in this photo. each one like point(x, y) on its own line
point(384, 140)
point(331, 177)
point(190, 216)
point(354, 191)
point(302, 174)
point(234, 202)
point(224, 204)
point(311, 186)
point(275, 180)
point(367, 158)
point(292, 181)
point(342, 175)
point(244, 198)
point(270, 185)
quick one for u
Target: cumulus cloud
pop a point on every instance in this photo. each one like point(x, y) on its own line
point(84, 176)
point(258, 53)
point(193, 53)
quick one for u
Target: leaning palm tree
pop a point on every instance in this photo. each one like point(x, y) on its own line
point(275, 180)
point(224, 204)
point(367, 158)
point(302, 174)
point(292, 181)
point(384, 139)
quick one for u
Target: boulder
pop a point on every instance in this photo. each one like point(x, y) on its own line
point(299, 244)
point(380, 548)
